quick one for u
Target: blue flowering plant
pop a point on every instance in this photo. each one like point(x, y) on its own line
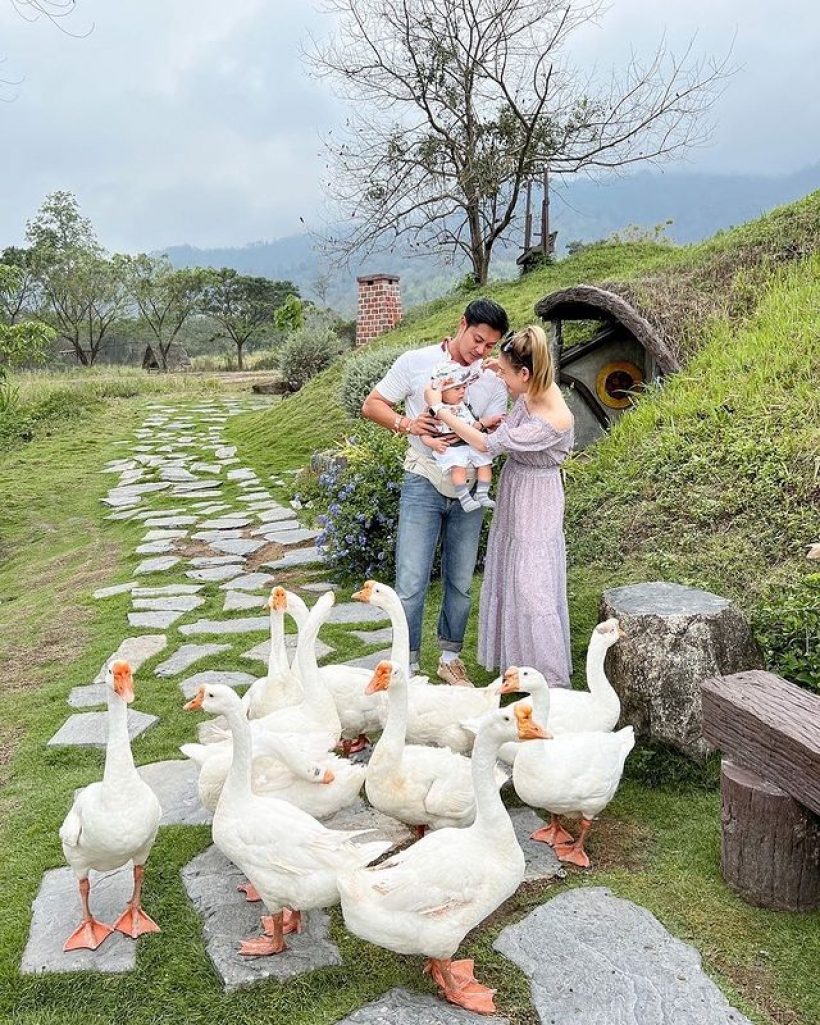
point(357, 498)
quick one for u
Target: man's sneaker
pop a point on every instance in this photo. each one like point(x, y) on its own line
point(454, 673)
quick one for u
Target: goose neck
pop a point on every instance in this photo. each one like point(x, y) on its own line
point(400, 645)
point(239, 775)
point(597, 680)
point(119, 762)
point(391, 743)
point(278, 659)
point(491, 815)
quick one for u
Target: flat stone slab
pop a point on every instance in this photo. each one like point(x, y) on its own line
point(369, 661)
point(247, 625)
point(90, 729)
point(227, 919)
point(109, 592)
point(155, 548)
point(225, 451)
point(175, 784)
point(162, 519)
point(172, 603)
point(541, 860)
point(154, 620)
point(274, 514)
point(209, 677)
point(300, 557)
point(213, 573)
point(216, 560)
point(236, 600)
point(135, 651)
point(158, 565)
point(249, 582)
point(242, 473)
point(296, 536)
point(150, 592)
point(217, 535)
point(238, 546)
point(356, 612)
point(318, 587)
point(383, 636)
point(186, 656)
point(261, 652)
point(164, 535)
point(361, 816)
point(595, 959)
point(236, 522)
point(278, 527)
point(401, 1007)
point(56, 913)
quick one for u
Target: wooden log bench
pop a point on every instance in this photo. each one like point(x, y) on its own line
point(770, 787)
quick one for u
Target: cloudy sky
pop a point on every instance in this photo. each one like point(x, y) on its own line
point(194, 121)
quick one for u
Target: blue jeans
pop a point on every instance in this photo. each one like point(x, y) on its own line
point(424, 515)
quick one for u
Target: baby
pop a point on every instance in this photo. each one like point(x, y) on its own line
point(453, 379)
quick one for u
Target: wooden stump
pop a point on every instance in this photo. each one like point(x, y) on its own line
point(770, 848)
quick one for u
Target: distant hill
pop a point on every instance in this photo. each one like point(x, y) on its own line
point(697, 204)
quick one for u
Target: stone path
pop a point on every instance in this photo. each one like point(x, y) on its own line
point(209, 540)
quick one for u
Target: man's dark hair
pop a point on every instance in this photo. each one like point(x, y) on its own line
point(489, 312)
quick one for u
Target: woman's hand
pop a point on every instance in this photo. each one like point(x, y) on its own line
point(432, 396)
point(438, 443)
point(490, 363)
point(489, 423)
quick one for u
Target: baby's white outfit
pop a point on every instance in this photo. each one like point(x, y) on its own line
point(463, 454)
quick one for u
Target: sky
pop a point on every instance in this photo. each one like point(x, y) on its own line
point(195, 121)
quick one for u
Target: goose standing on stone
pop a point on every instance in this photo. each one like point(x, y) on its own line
point(112, 822)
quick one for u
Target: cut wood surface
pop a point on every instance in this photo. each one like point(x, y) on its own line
point(770, 844)
point(769, 725)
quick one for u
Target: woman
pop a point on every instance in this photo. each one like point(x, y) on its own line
point(523, 613)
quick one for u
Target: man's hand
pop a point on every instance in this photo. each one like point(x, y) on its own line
point(422, 425)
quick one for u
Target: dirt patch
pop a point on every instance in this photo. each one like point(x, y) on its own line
point(194, 550)
point(269, 553)
point(757, 985)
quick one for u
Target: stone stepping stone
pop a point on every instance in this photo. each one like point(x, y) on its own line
point(249, 582)
point(190, 686)
point(56, 913)
point(383, 636)
point(261, 652)
point(109, 592)
point(158, 565)
point(186, 656)
point(217, 535)
point(318, 587)
point(135, 650)
point(238, 546)
point(241, 473)
point(361, 816)
point(240, 600)
point(164, 535)
point(207, 467)
point(370, 661)
point(275, 513)
point(236, 522)
point(541, 860)
point(402, 1006)
point(155, 548)
point(173, 589)
point(141, 489)
point(213, 573)
point(296, 536)
point(225, 452)
point(226, 626)
point(175, 784)
point(299, 557)
point(216, 560)
point(164, 519)
point(356, 612)
point(148, 514)
point(90, 729)
point(227, 918)
point(594, 958)
point(196, 487)
point(173, 603)
point(154, 620)
point(120, 501)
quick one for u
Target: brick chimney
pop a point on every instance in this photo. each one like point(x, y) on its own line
point(379, 305)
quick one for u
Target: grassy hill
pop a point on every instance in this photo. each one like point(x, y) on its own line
point(712, 480)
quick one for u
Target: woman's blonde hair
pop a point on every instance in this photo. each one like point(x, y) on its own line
point(529, 348)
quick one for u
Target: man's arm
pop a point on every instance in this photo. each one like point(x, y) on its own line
point(376, 408)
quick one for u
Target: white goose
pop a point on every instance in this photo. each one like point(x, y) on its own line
point(301, 771)
point(420, 786)
point(436, 713)
point(281, 686)
point(427, 898)
point(112, 822)
point(290, 859)
point(578, 711)
point(573, 773)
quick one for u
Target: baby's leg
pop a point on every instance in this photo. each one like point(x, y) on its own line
point(458, 475)
point(484, 475)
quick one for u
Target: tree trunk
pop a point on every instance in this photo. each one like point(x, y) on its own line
point(239, 355)
point(163, 356)
point(770, 846)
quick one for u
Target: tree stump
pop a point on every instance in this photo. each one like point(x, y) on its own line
point(770, 848)
point(675, 637)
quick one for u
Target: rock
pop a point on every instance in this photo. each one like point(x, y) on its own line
point(186, 656)
point(165, 519)
point(369, 661)
point(225, 452)
point(274, 513)
point(318, 587)
point(676, 637)
point(361, 816)
point(242, 474)
point(217, 560)
point(109, 592)
point(154, 620)
point(236, 600)
point(135, 651)
point(155, 548)
point(175, 784)
point(150, 592)
point(297, 536)
point(383, 636)
point(56, 913)
point(541, 860)
point(301, 557)
point(261, 652)
point(217, 535)
point(216, 572)
point(270, 388)
point(190, 686)
point(356, 612)
point(158, 565)
point(227, 918)
point(401, 1007)
point(249, 582)
point(227, 626)
point(235, 522)
point(90, 729)
point(173, 603)
point(595, 959)
point(238, 546)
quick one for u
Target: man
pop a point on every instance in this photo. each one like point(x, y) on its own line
point(429, 508)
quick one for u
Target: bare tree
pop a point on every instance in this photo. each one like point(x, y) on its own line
point(456, 104)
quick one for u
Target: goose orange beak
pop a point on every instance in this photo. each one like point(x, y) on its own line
point(380, 679)
point(528, 729)
point(123, 680)
point(196, 701)
point(511, 682)
point(329, 776)
point(366, 592)
point(278, 601)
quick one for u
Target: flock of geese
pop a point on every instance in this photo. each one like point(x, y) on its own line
point(269, 773)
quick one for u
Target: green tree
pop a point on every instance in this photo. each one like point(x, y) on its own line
point(18, 284)
point(166, 298)
point(244, 306)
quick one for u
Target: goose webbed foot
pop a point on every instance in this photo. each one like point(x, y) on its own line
point(553, 834)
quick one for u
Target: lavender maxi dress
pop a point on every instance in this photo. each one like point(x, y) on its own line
point(523, 618)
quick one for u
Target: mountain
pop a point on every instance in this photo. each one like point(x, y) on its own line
point(697, 204)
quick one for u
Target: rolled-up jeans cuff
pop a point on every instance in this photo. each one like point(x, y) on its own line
point(449, 645)
point(414, 658)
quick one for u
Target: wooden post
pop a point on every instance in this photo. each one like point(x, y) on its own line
point(770, 846)
point(528, 219)
point(545, 215)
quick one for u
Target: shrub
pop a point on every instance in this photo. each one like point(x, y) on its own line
point(364, 371)
point(788, 631)
point(359, 499)
point(307, 352)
